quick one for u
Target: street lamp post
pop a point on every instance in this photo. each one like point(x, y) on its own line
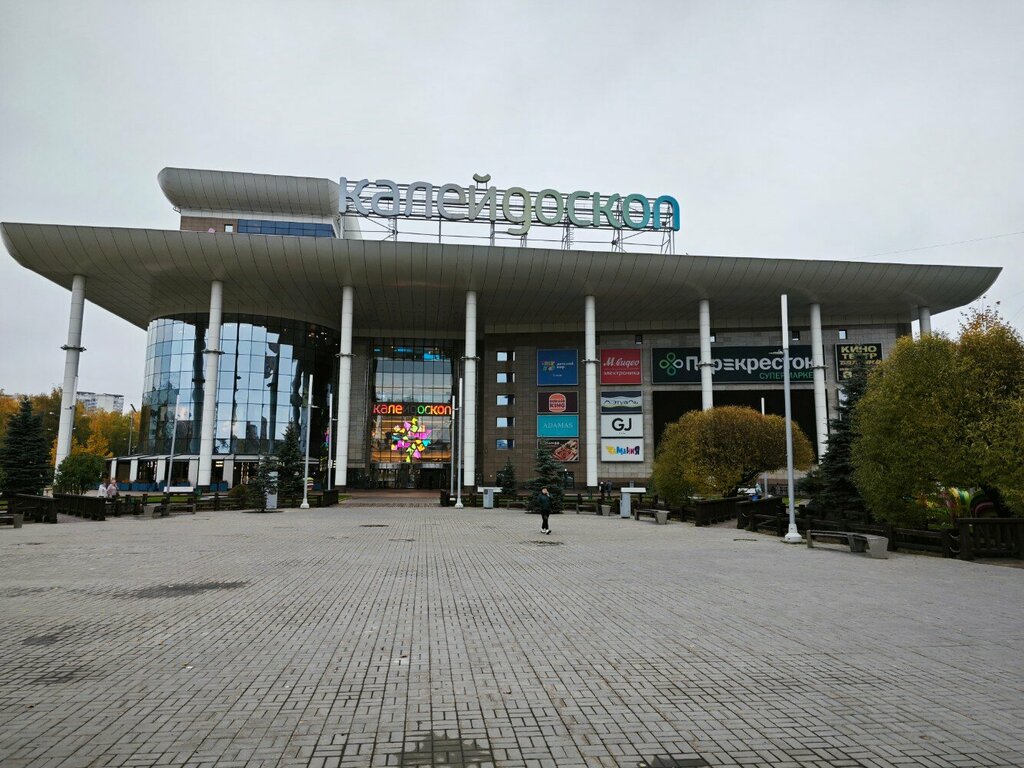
point(458, 450)
point(454, 445)
point(330, 430)
point(792, 536)
point(305, 466)
point(130, 428)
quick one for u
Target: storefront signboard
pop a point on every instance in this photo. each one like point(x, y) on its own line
point(626, 425)
point(621, 366)
point(622, 401)
point(619, 450)
point(558, 402)
point(558, 426)
point(731, 365)
point(567, 450)
point(557, 368)
point(847, 354)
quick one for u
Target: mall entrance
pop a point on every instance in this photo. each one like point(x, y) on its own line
point(410, 420)
point(424, 477)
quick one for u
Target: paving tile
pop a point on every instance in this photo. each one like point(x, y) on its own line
point(449, 637)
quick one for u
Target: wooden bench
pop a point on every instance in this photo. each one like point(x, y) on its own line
point(872, 546)
point(12, 518)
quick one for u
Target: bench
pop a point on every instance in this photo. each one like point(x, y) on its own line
point(12, 518)
point(660, 515)
point(165, 510)
point(872, 546)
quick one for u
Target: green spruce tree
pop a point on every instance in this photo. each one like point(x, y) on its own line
point(507, 479)
point(24, 458)
point(290, 459)
point(838, 497)
point(549, 475)
point(262, 483)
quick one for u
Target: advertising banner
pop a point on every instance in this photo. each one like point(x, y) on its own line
point(562, 450)
point(412, 409)
point(558, 402)
point(622, 450)
point(847, 354)
point(558, 426)
point(621, 366)
point(626, 425)
point(731, 365)
point(557, 368)
point(622, 401)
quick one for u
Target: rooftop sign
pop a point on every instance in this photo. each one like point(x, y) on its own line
point(515, 205)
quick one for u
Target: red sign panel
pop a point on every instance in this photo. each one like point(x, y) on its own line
point(558, 402)
point(621, 366)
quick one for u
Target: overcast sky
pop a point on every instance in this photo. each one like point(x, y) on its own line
point(839, 130)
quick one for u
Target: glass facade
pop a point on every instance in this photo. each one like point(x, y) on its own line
point(295, 228)
point(410, 414)
point(261, 383)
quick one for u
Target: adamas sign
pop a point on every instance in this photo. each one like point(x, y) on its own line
point(515, 205)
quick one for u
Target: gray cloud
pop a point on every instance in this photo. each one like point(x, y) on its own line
point(810, 130)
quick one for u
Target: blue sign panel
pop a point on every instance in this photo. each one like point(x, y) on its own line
point(557, 368)
point(563, 425)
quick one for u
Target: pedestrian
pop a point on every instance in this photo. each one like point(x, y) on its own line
point(102, 490)
point(112, 489)
point(544, 500)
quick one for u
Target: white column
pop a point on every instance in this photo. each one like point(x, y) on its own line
point(161, 471)
point(469, 407)
point(344, 389)
point(924, 316)
point(72, 351)
point(133, 471)
point(590, 361)
point(193, 472)
point(212, 353)
point(818, 360)
point(706, 369)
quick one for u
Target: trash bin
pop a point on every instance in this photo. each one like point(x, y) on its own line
point(625, 505)
point(488, 493)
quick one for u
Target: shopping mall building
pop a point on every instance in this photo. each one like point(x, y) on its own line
point(565, 320)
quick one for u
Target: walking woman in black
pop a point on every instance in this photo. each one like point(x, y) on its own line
point(545, 509)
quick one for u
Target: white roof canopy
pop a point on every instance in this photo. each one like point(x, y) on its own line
point(419, 288)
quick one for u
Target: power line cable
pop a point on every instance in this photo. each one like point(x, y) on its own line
point(945, 245)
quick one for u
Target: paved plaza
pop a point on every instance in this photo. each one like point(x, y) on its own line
point(366, 636)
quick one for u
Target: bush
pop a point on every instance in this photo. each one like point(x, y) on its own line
point(715, 452)
point(78, 473)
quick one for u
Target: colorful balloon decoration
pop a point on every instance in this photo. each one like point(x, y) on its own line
point(410, 439)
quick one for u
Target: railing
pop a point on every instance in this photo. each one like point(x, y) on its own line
point(754, 515)
point(990, 537)
point(315, 499)
point(39, 509)
point(707, 511)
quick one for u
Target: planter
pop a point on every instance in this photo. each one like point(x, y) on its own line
point(604, 509)
point(661, 516)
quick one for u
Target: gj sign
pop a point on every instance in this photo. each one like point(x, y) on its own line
point(514, 205)
point(627, 425)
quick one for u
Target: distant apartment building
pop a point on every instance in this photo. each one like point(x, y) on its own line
point(101, 401)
